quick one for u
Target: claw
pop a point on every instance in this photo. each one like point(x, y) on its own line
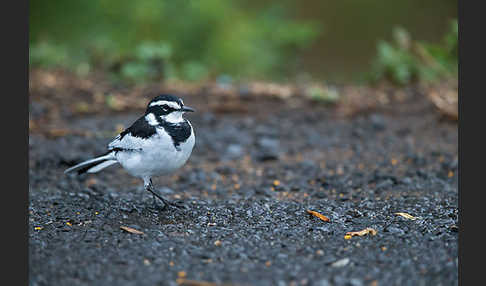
point(167, 203)
point(178, 204)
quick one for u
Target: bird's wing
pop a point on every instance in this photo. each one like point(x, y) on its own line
point(132, 138)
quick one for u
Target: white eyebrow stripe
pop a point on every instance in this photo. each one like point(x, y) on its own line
point(164, 102)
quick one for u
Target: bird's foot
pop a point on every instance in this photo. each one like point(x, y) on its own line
point(156, 206)
point(167, 203)
point(176, 204)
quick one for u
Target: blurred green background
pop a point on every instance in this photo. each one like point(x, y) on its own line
point(339, 41)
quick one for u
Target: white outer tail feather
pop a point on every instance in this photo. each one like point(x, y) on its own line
point(105, 161)
point(101, 166)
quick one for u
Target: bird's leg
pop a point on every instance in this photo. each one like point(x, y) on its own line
point(149, 187)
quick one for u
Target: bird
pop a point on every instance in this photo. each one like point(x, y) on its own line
point(158, 143)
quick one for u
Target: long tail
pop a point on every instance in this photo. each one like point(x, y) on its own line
point(93, 165)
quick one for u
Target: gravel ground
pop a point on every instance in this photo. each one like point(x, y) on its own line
point(247, 188)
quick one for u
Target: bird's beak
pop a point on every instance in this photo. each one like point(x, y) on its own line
point(187, 109)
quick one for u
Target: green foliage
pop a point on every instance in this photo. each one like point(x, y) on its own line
point(160, 39)
point(323, 94)
point(404, 61)
point(47, 55)
point(149, 62)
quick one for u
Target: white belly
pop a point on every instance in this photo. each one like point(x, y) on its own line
point(158, 156)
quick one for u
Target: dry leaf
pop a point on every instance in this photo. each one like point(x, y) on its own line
point(271, 89)
point(316, 214)
point(446, 100)
point(406, 215)
point(365, 231)
point(131, 230)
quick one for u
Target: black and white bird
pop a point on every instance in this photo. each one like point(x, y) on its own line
point(158, 143)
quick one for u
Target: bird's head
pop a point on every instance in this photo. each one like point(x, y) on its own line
point(168, 108)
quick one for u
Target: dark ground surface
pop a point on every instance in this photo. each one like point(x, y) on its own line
point(247, 187)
